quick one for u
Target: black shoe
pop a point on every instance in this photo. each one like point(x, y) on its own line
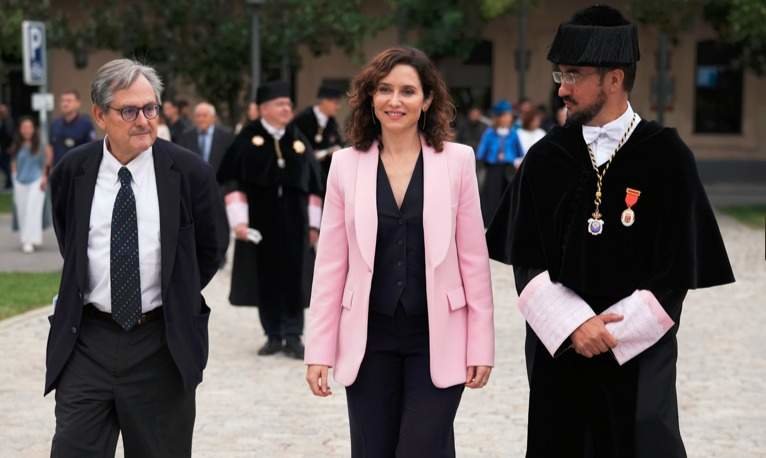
point(271, 347)
point(293, 347)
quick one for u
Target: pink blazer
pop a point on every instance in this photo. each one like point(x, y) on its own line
point(459, 291)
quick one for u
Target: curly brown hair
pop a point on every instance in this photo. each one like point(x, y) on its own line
point(360, 128)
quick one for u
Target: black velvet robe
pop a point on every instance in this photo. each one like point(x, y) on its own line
point(592, 407)
point(308, 124)
point(271, 273)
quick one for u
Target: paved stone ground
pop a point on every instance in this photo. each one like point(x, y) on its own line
point(250, 406)
point(45, 258)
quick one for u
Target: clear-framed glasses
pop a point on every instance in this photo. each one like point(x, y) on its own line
point(129, 113)
point(569, 77)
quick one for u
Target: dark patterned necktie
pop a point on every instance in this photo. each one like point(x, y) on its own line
point(123, 268)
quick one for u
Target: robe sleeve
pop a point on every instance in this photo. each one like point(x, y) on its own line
point(691, 242)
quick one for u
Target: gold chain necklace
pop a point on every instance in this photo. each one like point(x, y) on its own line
point(596, 223)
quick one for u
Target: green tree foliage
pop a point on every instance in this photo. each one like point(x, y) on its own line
point(741, 23)
point(447, 27)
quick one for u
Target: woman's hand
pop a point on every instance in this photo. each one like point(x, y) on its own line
point(43, 183)
point(477, 376)
point(316, 376)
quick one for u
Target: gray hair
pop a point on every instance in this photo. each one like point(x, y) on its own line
point(120, 74)
point(209, 107)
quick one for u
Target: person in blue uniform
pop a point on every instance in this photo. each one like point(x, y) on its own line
point(500, 151)
point(71, 129)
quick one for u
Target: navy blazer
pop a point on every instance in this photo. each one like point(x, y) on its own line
point(190, 251)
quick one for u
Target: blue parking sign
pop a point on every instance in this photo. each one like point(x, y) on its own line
point(34, 53)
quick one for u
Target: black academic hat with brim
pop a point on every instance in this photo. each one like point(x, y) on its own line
point(272, 90)
point(597, 36)
point(327, 91)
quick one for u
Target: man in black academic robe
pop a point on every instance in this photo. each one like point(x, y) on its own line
point(582, 402)
point(271, 163)
point(318, 124)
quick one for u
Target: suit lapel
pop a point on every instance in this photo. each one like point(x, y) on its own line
point(216, 150)
point(437, 214)
point(169, 196)
point(84, 188)
point(365, 206)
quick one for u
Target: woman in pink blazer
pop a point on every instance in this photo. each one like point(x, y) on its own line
point(401, 304)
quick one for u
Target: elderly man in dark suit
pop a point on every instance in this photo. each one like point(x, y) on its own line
point(207, 138)
point(134, 218)
point(210, 140)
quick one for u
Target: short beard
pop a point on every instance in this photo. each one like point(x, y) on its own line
point(587, 114)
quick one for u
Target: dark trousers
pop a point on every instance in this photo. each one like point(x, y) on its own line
point(394, 408)
point(279, 322)
point(5, 167)
point(118, 381)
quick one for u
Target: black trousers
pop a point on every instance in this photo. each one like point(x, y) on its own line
point(279, 322)
point(394, 409)
point(118, 381)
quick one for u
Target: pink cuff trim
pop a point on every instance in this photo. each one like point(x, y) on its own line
point(552, 310)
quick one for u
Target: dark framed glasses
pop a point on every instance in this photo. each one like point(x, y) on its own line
point(129, 113)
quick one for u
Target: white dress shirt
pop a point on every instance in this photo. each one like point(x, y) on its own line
point(322, 118)
point(273, 131)
point(144, 185)
point(603, 140)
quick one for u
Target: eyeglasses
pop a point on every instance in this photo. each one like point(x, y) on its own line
point(569, 77)
point(129, 113)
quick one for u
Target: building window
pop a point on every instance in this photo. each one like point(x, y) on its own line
point(718, 89)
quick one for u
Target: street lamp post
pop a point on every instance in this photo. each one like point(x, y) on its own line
point(255, 45)
point(522, 55)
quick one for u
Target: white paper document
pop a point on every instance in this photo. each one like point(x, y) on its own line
point(644, 323)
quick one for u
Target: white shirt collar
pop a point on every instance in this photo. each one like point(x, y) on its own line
point(321, 117)
point(614, 130)
point(137, 166)
point(273, 131)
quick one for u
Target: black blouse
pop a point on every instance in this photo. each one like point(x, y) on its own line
point(399, 275)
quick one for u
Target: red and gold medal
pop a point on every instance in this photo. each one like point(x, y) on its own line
point(629, 216)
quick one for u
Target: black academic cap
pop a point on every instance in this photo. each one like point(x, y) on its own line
point(272, 90)
point(597, 36)
point(328, 91)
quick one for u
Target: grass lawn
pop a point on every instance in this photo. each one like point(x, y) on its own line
point(25, 291)
point(6, 201)
point(750, 215)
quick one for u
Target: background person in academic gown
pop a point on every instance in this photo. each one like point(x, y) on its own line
point(582, 403)
point(320, 127)
point(273, 167)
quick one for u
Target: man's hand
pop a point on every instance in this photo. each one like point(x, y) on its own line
point(316, 377)
point(592, 338)
point(240, 232)
point(313, 237)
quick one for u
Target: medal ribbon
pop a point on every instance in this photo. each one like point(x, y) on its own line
point(631, 197)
